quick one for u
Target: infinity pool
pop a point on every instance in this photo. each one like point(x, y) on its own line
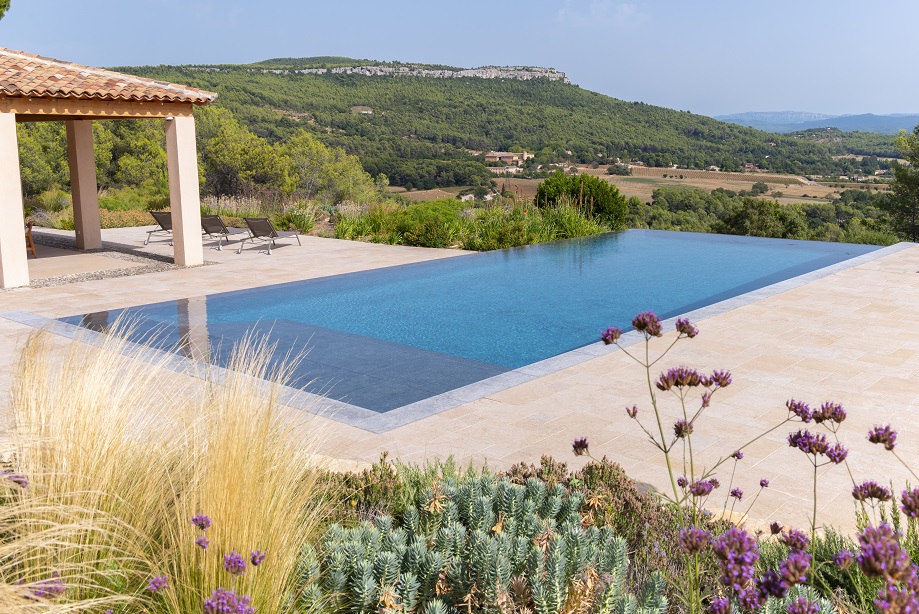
point(388, 337)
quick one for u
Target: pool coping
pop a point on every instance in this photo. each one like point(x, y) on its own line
point(376, 422)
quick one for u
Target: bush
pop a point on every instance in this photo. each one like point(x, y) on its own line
point(591, 194)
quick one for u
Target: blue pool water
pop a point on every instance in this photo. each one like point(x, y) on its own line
point(385, 337)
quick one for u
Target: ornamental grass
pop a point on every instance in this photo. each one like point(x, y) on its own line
point(115, 453)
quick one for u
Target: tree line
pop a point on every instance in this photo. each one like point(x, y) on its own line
point(232, 159)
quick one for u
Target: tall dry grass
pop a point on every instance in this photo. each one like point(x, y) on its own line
point(121, 452)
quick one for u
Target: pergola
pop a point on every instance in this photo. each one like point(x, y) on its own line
point(33, 88)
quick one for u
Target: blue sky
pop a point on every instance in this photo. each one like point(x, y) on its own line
point(706, 56)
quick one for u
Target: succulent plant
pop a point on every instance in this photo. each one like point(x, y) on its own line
point(481, 543)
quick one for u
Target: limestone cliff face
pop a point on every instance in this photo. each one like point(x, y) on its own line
point(521, 73)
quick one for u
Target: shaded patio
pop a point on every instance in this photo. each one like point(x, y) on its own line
point(34, 88)
point(60, 262)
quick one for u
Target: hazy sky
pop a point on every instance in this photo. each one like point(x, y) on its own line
point(706, 56)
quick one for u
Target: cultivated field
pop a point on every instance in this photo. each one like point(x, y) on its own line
point(643, 186)
point(786, 189)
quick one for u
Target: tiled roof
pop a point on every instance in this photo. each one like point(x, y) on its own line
point(25, 74)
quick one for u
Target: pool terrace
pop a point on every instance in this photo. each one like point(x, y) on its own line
point(848, 335)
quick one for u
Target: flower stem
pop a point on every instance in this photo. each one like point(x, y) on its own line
point(657, 416)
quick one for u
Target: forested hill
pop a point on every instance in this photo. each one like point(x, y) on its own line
point(425, 131)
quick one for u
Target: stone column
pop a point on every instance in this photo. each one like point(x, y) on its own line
point(14, 268)
point(82, 158)
point(184, 198)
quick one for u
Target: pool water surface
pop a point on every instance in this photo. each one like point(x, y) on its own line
point(385, 338)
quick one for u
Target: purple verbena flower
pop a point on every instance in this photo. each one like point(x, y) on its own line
point(678, 377)
point(685, 327)
point(234, 563)
point(682, 482)
point(737, 455)
point(837, 453)
point(882, 556)
point(829, 412)
point(202, 542)
point(611, 335)
point(895, 599)
point(202, 521)
point(751, 599)
point(764, 483)
point(871, 490)
point(648, 324)
point(721, 379)
point(157, 583)
point(15, 478)
point(682, 428)
point(257, 557)
point(694, 540)
point(883, 435)
point(816, 443)
point(719, 605)
point(632, 411)
point(799, 409)
point(225, 601)
point(737, 493)
point(771, 584)
point(844, 559)
point(803, 606)
point(795, 567)
point(706, 399)
point(49, 587)
point(909, 502)
point(795, 539)
point(702, 488)
point(580, 446)
point(775, 528)
point(737, 555)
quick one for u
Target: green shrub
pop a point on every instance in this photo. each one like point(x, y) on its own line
point(301, 217)
point(431, 224)
point(591, 194)
point(54, 200)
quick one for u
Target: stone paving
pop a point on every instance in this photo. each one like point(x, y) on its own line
point(850, 337)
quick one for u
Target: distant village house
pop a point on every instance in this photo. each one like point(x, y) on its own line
point(508, 157)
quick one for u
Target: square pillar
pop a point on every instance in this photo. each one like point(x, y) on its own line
point(14, 268)
point(83, 185)
point(184, 198)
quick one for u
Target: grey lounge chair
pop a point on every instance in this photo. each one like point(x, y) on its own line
point(261, 229)
point(164, 221)
point(215, 228)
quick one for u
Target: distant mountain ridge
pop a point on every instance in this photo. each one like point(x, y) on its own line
point(793, 121)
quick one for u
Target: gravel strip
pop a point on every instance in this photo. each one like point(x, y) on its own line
point(154, 263)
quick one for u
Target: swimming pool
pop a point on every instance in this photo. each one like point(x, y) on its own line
point(385, 338)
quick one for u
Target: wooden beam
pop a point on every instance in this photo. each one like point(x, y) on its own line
point(57, 109)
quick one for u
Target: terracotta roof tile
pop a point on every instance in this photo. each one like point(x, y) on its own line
point(25, 74)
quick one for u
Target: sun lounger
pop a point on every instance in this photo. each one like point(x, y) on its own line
point(214, 227)
point(164, 225)
point(261, 229)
